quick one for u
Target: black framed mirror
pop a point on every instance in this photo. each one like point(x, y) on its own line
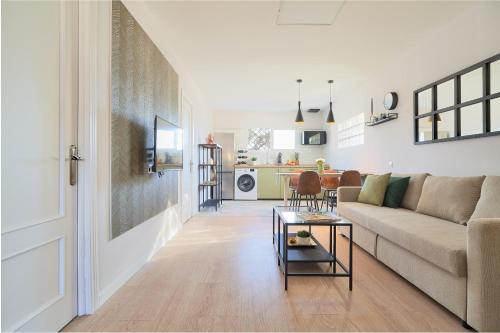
point(463, 105)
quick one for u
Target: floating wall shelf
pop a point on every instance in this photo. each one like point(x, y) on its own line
point(388, 117)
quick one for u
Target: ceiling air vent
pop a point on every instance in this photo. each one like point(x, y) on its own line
point(313, 110)
point(293, 12)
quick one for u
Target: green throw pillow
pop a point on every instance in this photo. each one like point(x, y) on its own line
point(373, 189)
point(396, 191)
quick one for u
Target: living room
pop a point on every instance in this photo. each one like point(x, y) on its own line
point(155, 154)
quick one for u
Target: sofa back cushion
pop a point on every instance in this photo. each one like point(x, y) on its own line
point(450, 198)
point(488, 205)
point(414, 189)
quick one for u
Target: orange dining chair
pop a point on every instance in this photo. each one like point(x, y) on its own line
point(329, 186)
point(348, 178)
point(309, 186)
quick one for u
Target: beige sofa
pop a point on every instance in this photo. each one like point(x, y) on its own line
point(452, 252)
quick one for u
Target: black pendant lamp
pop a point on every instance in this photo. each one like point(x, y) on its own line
point(299, 119)
point(330, 119)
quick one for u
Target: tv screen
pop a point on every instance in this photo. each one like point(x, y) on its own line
point(168, 146)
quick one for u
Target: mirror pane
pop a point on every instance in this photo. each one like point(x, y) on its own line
point(446, 94)
point(424, 101)
point(471, 85)
point(424, 129)
point(446, 124)
point(471, 119)
point(495, 77)
point(495, 115)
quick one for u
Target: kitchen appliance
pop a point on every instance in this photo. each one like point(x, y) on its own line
point(314, 137)
point(245, 184)
point(226, 140)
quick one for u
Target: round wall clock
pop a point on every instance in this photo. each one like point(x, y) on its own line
point(390, 100)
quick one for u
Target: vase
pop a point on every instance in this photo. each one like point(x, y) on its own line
point(321, 168)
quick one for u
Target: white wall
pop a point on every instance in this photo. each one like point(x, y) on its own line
point(119, 258)
point(458, 44)
point(239, 122)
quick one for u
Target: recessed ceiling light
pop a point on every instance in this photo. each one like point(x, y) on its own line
point(308, 12)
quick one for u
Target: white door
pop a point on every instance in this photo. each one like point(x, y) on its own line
point(39, 105)
point(187, 171)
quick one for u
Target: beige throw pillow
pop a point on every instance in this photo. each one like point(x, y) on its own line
point(412, 194)
point(488, 205)
point(450, 198)
point(373, 190)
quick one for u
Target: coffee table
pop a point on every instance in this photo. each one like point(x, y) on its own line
point(284, 217)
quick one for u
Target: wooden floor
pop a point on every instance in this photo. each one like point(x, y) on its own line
point(220, 273)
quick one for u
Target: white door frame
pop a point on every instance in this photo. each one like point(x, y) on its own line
point(90, 62)
point(190, 151)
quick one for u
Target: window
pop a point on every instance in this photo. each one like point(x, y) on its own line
point(284, 139)
point(351, 132)
point(259, 139)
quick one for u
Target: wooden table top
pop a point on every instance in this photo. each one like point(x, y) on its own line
point(326, 174)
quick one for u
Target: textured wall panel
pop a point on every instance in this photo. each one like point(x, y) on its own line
point(143, 85)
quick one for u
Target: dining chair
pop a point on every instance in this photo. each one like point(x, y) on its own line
point(348, 178)
point(329, 186)
point(309, 186)
point(292, 185)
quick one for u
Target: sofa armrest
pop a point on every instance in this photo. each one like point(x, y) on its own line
point(348, 193)
point(483, 274)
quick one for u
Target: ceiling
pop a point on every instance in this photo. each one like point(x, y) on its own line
point(242, 60)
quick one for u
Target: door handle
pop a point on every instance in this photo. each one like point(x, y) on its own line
point(73, 164)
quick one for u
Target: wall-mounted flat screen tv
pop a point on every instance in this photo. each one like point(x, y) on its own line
point(314, 137)
point(168, 146)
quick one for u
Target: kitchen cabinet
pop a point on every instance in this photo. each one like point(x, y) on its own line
point(268, 184)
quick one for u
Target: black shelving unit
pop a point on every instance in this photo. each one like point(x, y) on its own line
point(209, 176)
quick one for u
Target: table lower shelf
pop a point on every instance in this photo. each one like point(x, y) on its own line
point(305, 254)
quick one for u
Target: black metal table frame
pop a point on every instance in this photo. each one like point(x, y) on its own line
point(283, 257)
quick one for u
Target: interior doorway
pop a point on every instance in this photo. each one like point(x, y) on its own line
point(39, 201)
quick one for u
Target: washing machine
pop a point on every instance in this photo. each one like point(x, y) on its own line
point(245, 184)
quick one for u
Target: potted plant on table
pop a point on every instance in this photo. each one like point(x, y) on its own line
point(303, 237)
point(320, 163)
point(254, 160)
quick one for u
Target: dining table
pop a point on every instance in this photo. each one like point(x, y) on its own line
point(286, 179)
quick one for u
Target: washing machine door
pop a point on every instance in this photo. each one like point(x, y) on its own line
point(245, 183)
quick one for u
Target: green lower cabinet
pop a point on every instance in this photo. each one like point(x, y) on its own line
point(268, 183)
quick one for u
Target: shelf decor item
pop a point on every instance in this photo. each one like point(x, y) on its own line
point(209, 169)
point(303, 237)
point(383, 117)
point(320, 163)
point(254, 160)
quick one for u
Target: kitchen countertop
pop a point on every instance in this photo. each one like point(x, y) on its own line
point(275, 166)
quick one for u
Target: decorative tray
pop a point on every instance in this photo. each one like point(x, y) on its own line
point(318, 217)
point(312, 243)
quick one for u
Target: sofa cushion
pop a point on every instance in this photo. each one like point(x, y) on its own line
point(450, 198)
point(412, 195)
point(373, 189)
point(436, 240)
point(395, 191)
point(488, 205)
